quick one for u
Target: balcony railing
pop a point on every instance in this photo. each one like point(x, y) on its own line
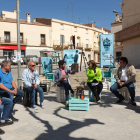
point(58, 43)
point(12, 41)
point(96, 49)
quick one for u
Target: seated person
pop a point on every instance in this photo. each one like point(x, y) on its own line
point(125, 77)
point(63, 70)
point(31, 80)
point(8, 87)
point(4, 119)
point(94, 79)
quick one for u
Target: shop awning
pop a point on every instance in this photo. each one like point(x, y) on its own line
point(12, 47)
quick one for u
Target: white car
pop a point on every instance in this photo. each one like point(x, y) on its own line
point(14, 59)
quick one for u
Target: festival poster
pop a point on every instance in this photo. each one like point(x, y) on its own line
point(106, 49)
point(71, 56)
point(46, 64)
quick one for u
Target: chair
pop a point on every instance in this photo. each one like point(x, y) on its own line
point(48, 82)
point(125, 93)
point(27, 99)
point(61, 94)
point(91, 97)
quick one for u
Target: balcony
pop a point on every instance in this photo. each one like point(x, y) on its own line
point(85, 46)
point(12, 41)
point(96, 49)
point(59, 46)
point(118, 45)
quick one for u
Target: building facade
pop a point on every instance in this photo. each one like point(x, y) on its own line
point(33, 36)
point(116, 26)
point(130, 33)
point(63, 34)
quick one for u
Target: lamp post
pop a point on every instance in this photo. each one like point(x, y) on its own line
point(18, 46)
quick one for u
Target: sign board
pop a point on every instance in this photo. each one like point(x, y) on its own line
point(46, 64)
point(106, 49)
point(71, 56)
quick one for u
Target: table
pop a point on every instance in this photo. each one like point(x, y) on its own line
point(78, 104)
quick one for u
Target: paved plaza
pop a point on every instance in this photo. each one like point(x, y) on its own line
point(105, 121)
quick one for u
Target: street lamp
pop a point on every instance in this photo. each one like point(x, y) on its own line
point(114, 11)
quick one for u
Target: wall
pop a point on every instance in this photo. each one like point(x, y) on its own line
point(131, 13)
point(10, 14)
point(116, 28)
point(132, 51)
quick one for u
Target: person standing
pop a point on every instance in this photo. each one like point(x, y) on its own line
point(125, 77)
point(94, 80)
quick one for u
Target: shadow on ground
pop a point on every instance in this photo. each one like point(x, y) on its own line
point(63, 133)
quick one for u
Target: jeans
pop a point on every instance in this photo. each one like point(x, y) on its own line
point(131, 89)
point(6, 110)
point(96, 90)
point(15, 100)
point(33, 92)
point(67, 87)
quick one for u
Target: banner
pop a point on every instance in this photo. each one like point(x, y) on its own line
point(106, 49)
point(46, 64)
point(71, 56)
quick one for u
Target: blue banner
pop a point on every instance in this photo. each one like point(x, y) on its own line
point(106, 49)
point(46, 64)
point(71, 56)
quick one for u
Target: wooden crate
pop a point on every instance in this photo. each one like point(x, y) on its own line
point(78, 104)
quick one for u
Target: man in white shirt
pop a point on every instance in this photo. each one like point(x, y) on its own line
point(125, 77)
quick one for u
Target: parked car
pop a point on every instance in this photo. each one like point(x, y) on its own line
point(14, 59)
point(118, 59)
point(2, 58)
point(33, 58)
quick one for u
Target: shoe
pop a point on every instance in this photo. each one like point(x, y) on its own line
point(14, 119)
point(120, 100)
point(42, 105)
point(67, 103)
point(1, 132)
point(6, 122)
point(34, 107)
point(133, 103)
point(99, 101)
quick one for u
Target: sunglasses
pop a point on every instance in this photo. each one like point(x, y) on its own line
point(32, 65)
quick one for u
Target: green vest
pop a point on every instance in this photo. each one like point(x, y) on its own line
point(91, 76)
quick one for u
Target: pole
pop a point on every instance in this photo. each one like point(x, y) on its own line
point(18, 45)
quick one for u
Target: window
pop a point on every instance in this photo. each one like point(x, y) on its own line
point(42, 39)
point(21, 37)
point(7, 37)
point(62, 39)
point(77, 42)
point(61, 26)
point(75, 29)
point(22, 53)
point(118, 54)
point(86, 43)
point(86, 31)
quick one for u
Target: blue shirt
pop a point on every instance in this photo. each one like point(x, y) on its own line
point(6, 78)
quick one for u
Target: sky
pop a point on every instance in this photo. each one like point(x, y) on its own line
point(85, 11)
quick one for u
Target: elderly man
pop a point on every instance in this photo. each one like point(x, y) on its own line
point(64, 82)
point(31, 80)
point(125, 77)
point(8, 87)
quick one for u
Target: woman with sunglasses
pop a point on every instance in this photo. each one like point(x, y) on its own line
point(94, 80)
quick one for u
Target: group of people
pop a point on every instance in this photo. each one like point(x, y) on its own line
point(10, 94)
point(125, 77)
